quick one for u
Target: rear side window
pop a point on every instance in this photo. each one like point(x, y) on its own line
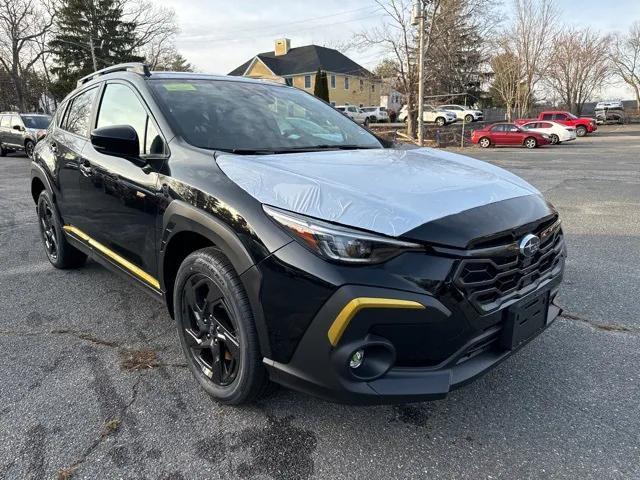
point(121, 106)
point(544, 125)
point(79, 113)
point(498, 128)
point(15, 121)
point(4, 121)
point(547, 116)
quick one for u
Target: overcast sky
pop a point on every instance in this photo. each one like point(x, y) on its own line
point(218, 36)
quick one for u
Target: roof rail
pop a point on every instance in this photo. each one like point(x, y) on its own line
point(135, 67)
point(9, 112)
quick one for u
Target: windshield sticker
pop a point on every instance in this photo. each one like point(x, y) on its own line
point(179, 87)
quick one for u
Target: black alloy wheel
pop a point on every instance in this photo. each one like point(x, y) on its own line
point(59, 251)
point(28, 148)
point(48, 230)
point(210, 330)
point(216, 328)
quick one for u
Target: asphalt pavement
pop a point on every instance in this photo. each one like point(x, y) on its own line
point(93, 384)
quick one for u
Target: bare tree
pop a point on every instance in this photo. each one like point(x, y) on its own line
point(625, 59)
point(579, 66)
point(23, 24)
point(506, 78)
point(155, 28)
point(533, 32)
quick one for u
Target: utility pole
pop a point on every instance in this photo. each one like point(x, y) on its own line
point(418, 18)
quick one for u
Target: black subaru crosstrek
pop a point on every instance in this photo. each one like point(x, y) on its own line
point(292, 245)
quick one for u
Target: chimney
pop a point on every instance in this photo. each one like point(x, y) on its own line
point(283, 45)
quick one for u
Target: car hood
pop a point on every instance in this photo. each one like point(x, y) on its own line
point(385, 191)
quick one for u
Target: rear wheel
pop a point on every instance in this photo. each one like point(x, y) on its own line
point(60, 253)
point(3, 152)
point(554, 139)
point(440, 121)
point(28, 148)
point(216, 328)
point(531, 142)
point(581, 130)
point(484, 142)
point(468, 118)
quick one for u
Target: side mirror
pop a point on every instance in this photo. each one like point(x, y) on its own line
point(116, 140)
point(17, 127)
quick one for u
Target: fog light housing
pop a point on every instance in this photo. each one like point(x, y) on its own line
point(356, 359)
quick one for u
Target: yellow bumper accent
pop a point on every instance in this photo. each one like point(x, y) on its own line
point(350, 310)
point(123, 262)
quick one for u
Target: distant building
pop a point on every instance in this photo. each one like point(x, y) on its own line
point(349, 83)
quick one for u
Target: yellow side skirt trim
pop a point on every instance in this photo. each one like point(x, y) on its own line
point(137, 271)
point(350, 310)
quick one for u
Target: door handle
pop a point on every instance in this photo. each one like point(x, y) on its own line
point(85, 169)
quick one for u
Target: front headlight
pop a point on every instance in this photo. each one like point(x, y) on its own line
point(339, 244)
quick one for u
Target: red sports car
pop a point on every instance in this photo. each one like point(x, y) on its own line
point(508, 134)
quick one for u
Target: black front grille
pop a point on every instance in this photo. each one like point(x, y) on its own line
point(488, 278)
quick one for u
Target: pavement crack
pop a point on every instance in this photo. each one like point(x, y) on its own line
point(110, 427)
point(601, 326)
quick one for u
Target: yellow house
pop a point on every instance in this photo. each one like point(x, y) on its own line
point(349, 83)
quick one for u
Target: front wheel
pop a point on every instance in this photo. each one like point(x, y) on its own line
point(217, 330)
point(366, 122)
point(468, 118)
point(581, 130)
point(28, 148)
point(440, 122)
point(530, 142)
point(555, 140)
point(484, 142)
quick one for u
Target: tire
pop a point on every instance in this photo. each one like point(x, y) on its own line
point(468, 118)
point(216, 329)
point(441, 122)
point(530, 142)
point(59, 251)
point(373, 119)
point(3, 152)
point(366, 122)
point(581, 131)
point(28, 148)
point(484, 142)
point(555, 140)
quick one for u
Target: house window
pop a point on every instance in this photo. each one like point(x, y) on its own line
point(346, 83)
point(333, 81)
point(361, 84)
point(307, 81)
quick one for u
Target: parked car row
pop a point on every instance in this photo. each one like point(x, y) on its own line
point(445, 114)
point(21, 131)
point(551, 127)
point(364, 115)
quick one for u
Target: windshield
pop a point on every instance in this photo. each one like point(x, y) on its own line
point(248, 117)
point(41, 122)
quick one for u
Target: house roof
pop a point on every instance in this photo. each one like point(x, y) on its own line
point(304, 60)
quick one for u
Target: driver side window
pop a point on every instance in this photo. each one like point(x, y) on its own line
point(120, 106)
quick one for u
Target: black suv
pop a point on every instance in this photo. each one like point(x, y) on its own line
point(21, 131)
point(289, 243)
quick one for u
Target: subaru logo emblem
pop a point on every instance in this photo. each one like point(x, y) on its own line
point(529, 245)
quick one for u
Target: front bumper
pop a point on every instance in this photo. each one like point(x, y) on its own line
point(320, 370)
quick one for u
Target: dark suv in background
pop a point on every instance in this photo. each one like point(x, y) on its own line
point(21, 131)
point(289, 243)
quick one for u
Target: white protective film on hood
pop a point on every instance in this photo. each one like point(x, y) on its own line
point(385, 191)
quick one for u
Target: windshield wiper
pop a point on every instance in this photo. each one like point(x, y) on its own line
point(334, 147)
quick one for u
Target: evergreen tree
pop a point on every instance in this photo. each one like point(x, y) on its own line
point(83, 25)
point(321, 87)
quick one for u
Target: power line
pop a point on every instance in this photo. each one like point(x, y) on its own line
point(279, 25)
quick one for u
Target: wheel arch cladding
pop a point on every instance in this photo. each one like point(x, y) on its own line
point(187, 229)
point(37, 187)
